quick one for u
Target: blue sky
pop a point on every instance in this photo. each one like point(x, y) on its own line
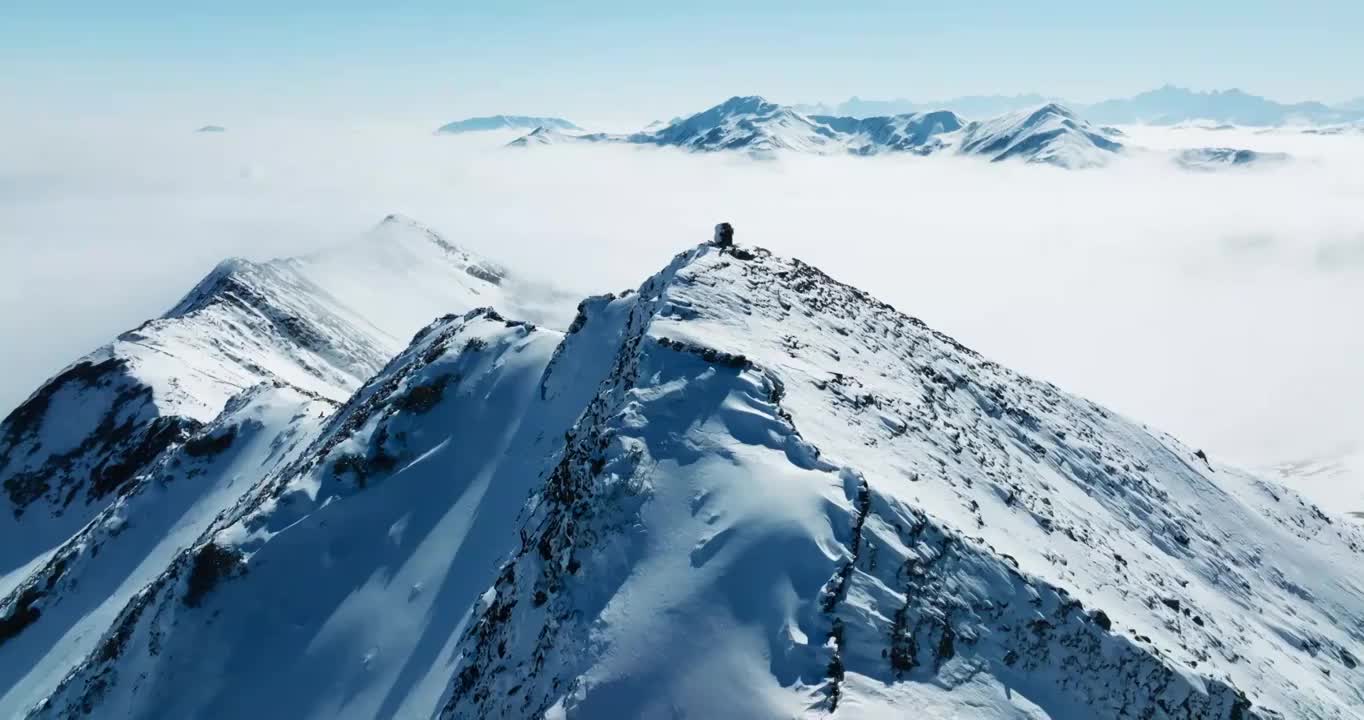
point(633, 61)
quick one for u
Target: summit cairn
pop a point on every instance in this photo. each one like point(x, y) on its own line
point(724, 236)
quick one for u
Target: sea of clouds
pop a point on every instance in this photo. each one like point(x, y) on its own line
point(1224, 307)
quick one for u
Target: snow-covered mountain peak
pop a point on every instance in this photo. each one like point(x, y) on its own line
point(550, 136)
point(397, 229)
point(750, 124)
point(839, 508)
point(748, 105)
point(744, 489)
point(320, 324)
point(1050, 134)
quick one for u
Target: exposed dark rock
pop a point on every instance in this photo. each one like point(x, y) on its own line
point(212, 443)
point(211, 565)
point(422, 398)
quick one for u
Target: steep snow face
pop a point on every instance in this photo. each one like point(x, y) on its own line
point(1048, 134)
point(1217, 158)
point(340, 588)
point(746, 123)
point(57, 615)
point(321, 324)
point(83, 437)
point(787, 498)
point(918, 133)
point(504, 122)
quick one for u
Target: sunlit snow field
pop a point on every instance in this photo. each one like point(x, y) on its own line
point(1221, 306)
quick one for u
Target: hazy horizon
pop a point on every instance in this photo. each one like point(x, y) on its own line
point(1174, 297)
point(610, 62)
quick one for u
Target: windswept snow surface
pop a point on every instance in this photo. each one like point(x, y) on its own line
point(744, 490)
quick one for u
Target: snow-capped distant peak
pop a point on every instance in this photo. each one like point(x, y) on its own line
point(1215, 158)
point(504, 122)
point(749, 123)
point(1049, 134)
point(546, 136)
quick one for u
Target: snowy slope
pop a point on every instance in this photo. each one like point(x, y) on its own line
point(918, 133)
point(322, 323)
point(314, 328)
point(541, 136)
point(1048, 134)
point(59, 613)
point(359, 563)
point(857, 513)
point(551, 136)
point(82, 438)
point(745, 490)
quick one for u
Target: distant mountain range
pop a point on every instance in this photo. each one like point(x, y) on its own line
point(1045, 134)
point(504, 122)
point(1167, 105)
point(1048, 133)
point(971, 106)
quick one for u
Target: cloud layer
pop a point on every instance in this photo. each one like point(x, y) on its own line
point(1220, 306)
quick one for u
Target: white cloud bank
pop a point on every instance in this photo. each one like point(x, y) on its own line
point(1224, 307)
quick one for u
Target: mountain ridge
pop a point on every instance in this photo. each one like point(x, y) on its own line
point(96, 436)
point(612, 456)
point(748, 462)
